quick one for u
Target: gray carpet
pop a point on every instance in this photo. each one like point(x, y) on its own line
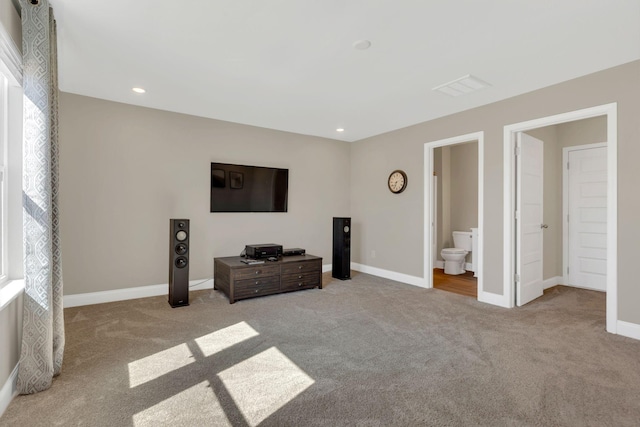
point(365, 352)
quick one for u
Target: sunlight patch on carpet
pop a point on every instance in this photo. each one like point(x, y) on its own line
point(151, 367)
point(174, 410)
point(264, 383)
point(225, 338)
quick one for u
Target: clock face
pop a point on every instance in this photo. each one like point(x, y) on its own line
point(397, 181)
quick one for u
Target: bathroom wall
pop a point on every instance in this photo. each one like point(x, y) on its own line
point(442, 169)
point(437, 170)
point(464, 186)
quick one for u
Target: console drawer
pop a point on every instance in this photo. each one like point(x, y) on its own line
point(302, 266)
point(256, 286)
point(257, 271)
point(237, 280)
point(309, 279)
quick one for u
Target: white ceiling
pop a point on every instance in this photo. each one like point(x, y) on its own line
point(290, 64)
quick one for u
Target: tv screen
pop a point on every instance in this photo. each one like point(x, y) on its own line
point(241, 188)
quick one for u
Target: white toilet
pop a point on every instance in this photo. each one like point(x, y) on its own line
point(454, 258)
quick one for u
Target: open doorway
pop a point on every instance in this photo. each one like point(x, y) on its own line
point(441, 197)
point(524, 231)
point(455, 170)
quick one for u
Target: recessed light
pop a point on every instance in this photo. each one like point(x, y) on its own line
point(340, 130)
point(138, 90)
point(362, 44)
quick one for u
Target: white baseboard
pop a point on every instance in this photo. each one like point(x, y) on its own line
point(387, 274)
point(89, 298)
point(552, 281)
point(493, 299)
point(129, 293)
point(628, 329)
point(9, 390)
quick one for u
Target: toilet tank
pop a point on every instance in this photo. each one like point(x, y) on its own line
point(462, 240)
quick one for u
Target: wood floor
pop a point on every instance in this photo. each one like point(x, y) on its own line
point(463, 284)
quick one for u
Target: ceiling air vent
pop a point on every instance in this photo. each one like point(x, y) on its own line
point(463, 85)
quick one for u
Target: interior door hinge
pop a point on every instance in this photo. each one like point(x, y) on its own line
point(517, 278)
point(567, 165)
point(517, 151)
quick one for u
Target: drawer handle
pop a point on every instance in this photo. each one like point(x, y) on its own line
point(256, 291)
point(299, 284)
point(299, 267)
point(257, 271)
point(300, 276)
point(257, 282)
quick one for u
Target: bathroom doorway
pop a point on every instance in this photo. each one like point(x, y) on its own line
point(447, 190)
point(455, 169)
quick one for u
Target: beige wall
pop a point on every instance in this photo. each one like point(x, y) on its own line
point(126, 170)
point(581, 132)
point(10, 20)
point(437, 170)
point(399, 244)
point(10, 338)
point(464, 186)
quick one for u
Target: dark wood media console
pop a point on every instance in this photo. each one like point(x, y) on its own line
point(292, 273)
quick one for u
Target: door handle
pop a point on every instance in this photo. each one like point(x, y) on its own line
point(544, 226)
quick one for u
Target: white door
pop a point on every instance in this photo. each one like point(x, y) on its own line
point(529, 221)
point(587, 209)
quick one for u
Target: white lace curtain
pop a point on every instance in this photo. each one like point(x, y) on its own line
point(43, 322)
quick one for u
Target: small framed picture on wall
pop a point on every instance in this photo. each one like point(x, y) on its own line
point(217, 178)
point(236, 180)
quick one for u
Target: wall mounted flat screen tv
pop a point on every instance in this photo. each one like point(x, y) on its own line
point(241, 188)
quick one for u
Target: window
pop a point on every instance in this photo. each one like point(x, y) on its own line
point(11, 258)
point(4, 137)
point(10, 178)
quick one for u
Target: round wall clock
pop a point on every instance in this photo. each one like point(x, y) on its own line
point(397, 181)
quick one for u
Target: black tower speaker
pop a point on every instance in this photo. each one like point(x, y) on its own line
point(341, 266)
point(179, 262)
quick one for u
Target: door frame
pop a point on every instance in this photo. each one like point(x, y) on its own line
point(429, 203)
point(611, 113)
point(565, 202)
